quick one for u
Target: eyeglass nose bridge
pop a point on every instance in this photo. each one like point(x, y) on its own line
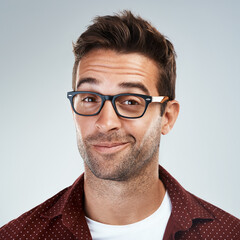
point(110, 98)
point(107, 97)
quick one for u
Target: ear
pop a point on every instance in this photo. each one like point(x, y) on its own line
point(170, 116)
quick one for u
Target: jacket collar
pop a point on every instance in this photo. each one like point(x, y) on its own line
point(185, 206)
point(70, 205)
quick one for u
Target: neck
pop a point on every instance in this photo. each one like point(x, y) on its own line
point(136, 198)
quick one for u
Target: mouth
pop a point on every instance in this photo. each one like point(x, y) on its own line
point(109, 148)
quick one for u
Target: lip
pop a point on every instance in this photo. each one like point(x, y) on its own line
point(107, 148)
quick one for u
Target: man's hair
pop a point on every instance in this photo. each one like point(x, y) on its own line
point(126, 33)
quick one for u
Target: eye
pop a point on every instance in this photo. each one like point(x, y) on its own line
point(89, 99)
point(130, 102)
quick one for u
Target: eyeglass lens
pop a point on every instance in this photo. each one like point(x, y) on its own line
point(126, 105)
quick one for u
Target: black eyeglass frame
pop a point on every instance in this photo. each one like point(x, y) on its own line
point(148, 100)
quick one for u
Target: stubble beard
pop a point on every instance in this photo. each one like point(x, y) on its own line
point(120, 166)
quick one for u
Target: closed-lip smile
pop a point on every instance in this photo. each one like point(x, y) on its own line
point(109, 147)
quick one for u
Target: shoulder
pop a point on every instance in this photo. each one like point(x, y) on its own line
point(194, 218)
point(51, 219)
point(31, 220)
point(222, 226)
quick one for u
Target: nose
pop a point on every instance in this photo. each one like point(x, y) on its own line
point(108, 119)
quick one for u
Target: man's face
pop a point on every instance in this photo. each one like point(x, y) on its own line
point(112, 147)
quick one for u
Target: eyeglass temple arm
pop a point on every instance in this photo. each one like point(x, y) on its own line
point(160, 99)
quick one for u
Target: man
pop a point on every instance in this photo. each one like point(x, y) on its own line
point(123, 100)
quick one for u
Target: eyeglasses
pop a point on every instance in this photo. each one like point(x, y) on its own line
point(126, 105)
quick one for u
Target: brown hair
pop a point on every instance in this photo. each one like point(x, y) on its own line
point(126, 33)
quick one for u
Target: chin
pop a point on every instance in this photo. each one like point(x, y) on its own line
point(111, 173)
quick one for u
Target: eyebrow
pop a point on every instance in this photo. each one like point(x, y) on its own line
point(134, 85)
point(122, 85)
point(87, 80)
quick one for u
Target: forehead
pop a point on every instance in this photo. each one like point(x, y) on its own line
point(114, 68)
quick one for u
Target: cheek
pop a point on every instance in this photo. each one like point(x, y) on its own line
point(135, 128)
point(83, 126)
point(143, 127)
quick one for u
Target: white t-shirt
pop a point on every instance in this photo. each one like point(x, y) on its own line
point(152, 227)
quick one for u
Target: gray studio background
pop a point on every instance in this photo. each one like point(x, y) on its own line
point(38, 152)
